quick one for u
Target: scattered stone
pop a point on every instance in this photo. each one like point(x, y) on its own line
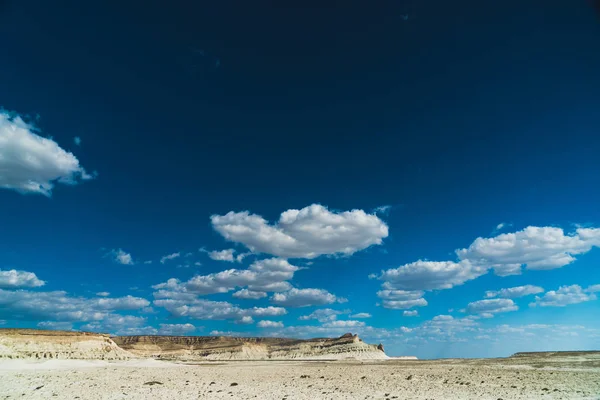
point(234, 384)
point(152, 383)
point(304, 376)
point(408, 378)
point(39, 387)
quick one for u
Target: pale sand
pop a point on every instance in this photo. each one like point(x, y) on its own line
point(532, 378)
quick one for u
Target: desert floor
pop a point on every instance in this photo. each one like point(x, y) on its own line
point(529, 378)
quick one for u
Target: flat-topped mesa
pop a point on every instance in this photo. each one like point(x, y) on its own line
point(47, 344)
point(248, 348)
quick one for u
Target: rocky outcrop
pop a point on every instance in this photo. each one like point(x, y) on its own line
point(45, 344)
point(190, 348)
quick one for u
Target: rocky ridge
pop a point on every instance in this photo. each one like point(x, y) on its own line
point(47, 344)
point(190, 348)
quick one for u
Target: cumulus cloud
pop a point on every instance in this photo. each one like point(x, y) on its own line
point(565, 296)
point(32, 164)
point(491, 306)
point(535, 248)
point(57, 326)
point(119, 324)
point(269, 324)
point(305, 298)
point(103, 294)
point(249, 294)
point(176, 329)
point(431, 275)
point(223, 255)
point(169, 257)
point(246, 320)
point(402, 299)
point(187, 305)
point(122, 257)
point(361, 315)
point(306, 233)
point(13, 279)
point(343, 324)
point(593, 289)
point(322, 315)
point(413, 313)
point(269, 275)
point(514, 292)
point(59, 306)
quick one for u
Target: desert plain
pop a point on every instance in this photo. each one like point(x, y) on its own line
point(538, 376)
point(66, 365)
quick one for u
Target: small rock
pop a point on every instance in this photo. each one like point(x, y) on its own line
point(152, 383)
point(39, 387)
point(233, 384)
point(408, 378)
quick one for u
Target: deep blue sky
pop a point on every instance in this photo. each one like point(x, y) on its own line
point(460, 115)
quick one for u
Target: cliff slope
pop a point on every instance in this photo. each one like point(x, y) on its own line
point(190, 348)
point(46, 344)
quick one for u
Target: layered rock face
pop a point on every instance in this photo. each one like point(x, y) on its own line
point(190, 348)
point(45, 344)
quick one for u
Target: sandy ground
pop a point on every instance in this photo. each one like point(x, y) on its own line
point(574, 378)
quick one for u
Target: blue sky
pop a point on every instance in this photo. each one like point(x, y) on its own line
point(425, 175)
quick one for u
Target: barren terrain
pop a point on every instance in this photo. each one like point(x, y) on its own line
point(575, 376)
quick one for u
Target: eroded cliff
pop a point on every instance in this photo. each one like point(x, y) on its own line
point(46, 344)
point(189, 348)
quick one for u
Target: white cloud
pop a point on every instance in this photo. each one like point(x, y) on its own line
point(514, 292)
point(537, 248)
point(402, 299)
point(121, 303)
point(361, 315)
point(246, 320)
point(176, 329)
point(197, 263)
point(122, 257)
point(384, 210)
point(593, 289)
point(306, 233)
point(187, 305)
point(322, 315)
point(13, 279)
point(249, 294)
point(31, 163)
point(413, 313)
point(267, 275)
point(431, 275)
point(58, 306)
point(148, 262)
point(53, 325)
point(343, 324)
point(269, 324)
point(491, 306)
point(119, 324)
point(77, 140)
point(240, 257)
point(565, 296)
point(103, 294)
point(169, 257)
point(223, 255)
point(305, 298)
